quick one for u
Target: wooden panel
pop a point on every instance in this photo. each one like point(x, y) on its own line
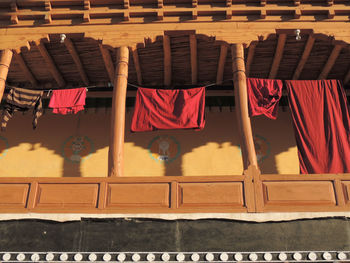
point(138, 195)
point(13, 195)
point(211, 194)
point(67, 195)
point(295, 193)
point(346, 189)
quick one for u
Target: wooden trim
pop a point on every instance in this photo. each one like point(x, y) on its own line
point(106, 56)
point(250, 57)
point(5, 61)
point(241, 99)
point(278, 56)
point(221, 65)
point(193, 50)
point(330, 62)
point(135, 56)
point(307, 50)
point(27, 73)
point(51, 65)
point(167, 60)
point(116, 144)
point(73, 52)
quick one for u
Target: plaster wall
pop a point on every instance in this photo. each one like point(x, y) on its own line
point(77, 146)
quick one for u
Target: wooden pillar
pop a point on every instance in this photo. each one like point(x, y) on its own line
point(241, 102)
point(5, 61)
point(116, 143)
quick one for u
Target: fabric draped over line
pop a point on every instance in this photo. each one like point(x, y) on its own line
point(19, 99)
point(68, 101)
point(322, 125)
point(263, 96)
point(159, 109)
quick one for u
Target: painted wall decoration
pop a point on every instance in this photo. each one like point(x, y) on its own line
point(262, 148)
point(77, 148)
point(4, 145)
point(164, 148)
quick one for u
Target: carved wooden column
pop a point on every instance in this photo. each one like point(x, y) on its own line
point(116, 143)
point(5, 61)
point(241, 101)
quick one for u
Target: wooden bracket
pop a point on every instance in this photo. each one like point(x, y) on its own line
point(86, 17)
point(330, 2)
point(126, 16)
point(194, 14)
point(126, 4)
point(262, 2)
point(228, 3)
point(14, 19)
point(331, 13)
point(160, 3)
point(48, 19)
point(297, 13)
point(263, 14)
point(296, 2)
point(228, 14)
point(14, 7)
point(194, 3)
point(87, 5)
point(160, 15)
point(48, 6)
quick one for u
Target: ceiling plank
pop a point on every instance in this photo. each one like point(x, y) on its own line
point(135, 56)
point(278, 55)
point(250, 57)
point(56, 74)
point(330, 62)
point(194, 67)
point(107, 59)
point(221, 65)
point(73, 52)
point(167, 60)
point(27, 73)
point(307, 50)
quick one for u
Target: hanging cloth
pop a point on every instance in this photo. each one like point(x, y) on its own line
point(322, 125)
point(263, 96)
point(160, 109)
point(19, 99)
point(67, 101)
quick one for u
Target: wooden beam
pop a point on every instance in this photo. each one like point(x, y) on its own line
point(5, 61)
point(106, 56)
point(307, 50)
point(250, 57)
point(167, 60)
point(194, 67)
point(278, 55)
point(116, 144)
point(27, 73)
point(51, 65)
point(135, 56)
point(221, 65)
point(330, 62)
point(241, 102)
point(73, 52)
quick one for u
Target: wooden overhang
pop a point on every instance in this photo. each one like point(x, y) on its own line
point(171, 43)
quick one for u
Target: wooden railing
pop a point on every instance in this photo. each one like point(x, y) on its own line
point(177, 194)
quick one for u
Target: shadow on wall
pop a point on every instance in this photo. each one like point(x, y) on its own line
point(77, 146)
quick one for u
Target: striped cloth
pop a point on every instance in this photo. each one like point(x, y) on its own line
point(19, 99)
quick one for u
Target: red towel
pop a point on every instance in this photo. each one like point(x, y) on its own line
point(322, 125)
point(263, 96)
point(160, 109)
point(68, 100)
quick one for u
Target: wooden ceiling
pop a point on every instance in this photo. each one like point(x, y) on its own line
point(176, 60)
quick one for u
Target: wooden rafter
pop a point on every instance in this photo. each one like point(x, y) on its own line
point(27, 73)
point(194, 68)
point(73, 52)
point(221, 64)
point(307, 50)
point(135, 57)
point(106, 56)
point(278, 56)
point(51, 64)
point(167, 60)
point(5, 61)
point(250, 57)
point(330, 62)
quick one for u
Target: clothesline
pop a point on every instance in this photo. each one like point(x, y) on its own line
point(92, 87)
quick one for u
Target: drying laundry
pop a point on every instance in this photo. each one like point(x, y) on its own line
point(322, 125)
point(68, 101)
point(157, 109)
point(263, 96)
point(19, 99)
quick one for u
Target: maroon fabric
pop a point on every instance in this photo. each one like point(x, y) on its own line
point(322, 125)
point(158, 109)
point(263, 96)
